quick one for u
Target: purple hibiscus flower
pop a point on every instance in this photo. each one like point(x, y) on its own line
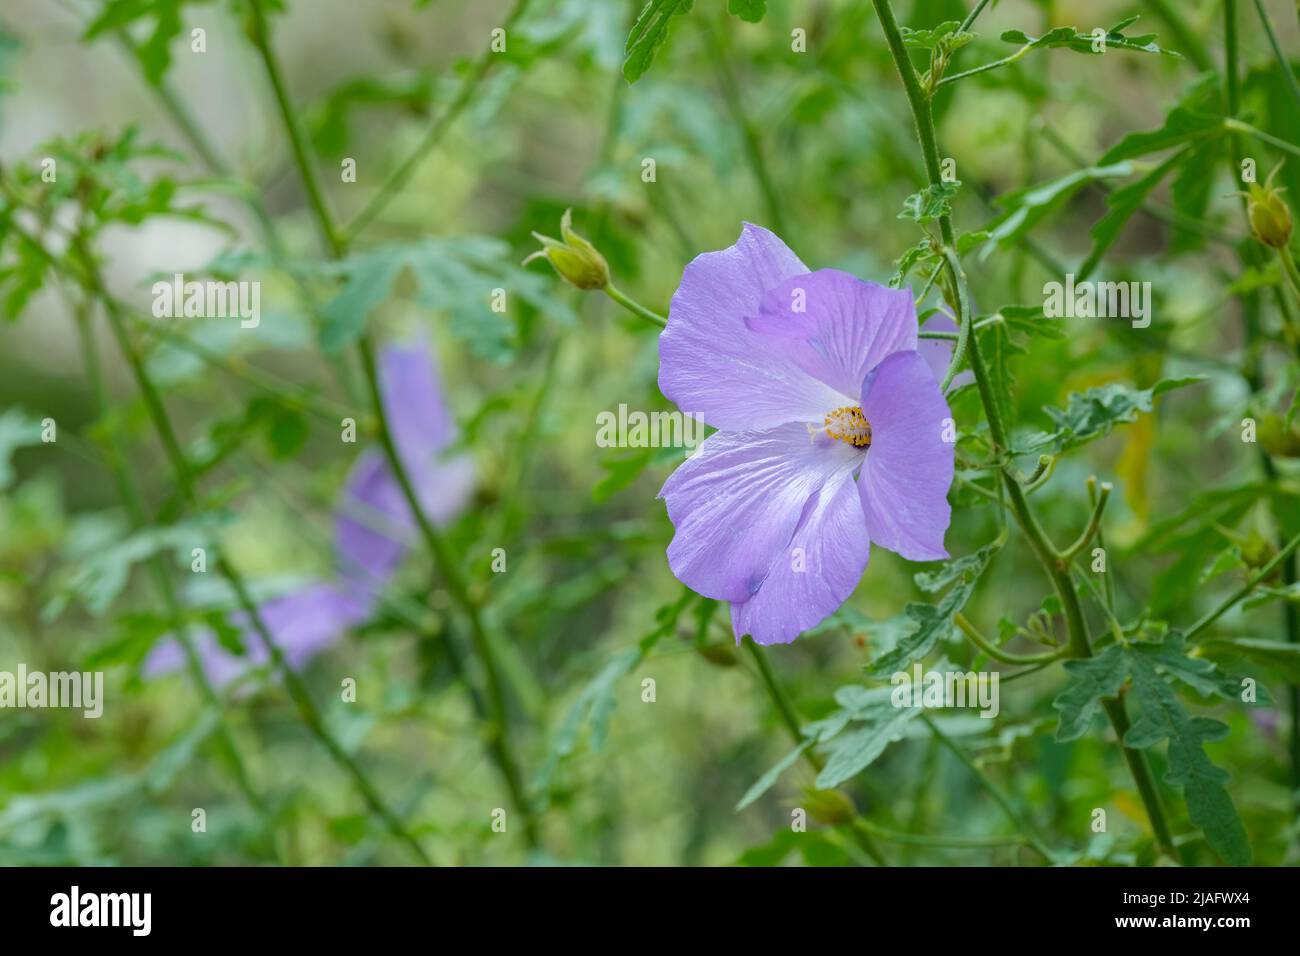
point(832, 434)
point(372, 529)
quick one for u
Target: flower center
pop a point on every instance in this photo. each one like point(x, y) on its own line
point(848, 424)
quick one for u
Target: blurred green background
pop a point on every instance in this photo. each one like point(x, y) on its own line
point(554, 125)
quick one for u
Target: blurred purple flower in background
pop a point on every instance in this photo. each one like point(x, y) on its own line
point(372, 529)
point(832, 434)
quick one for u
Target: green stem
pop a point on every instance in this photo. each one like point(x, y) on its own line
point(1252, 582)
point(266, 382)
point(1094, 523)
point(307, 711)
point(1140, 770)
point(1237, 126)
point(1002, 800)
point(499, 728)
point(791, 720)
point(1187, 40)
point(748, 131)
point(1251, 255)
point(1005, 61)
point(1036, 537)
point(1231, 87)
point(636, 308)
point(971, 17)
point(1282, 63)
point(997, 653)
point(965, 319)
point(1289, 268)
point(437, 130)
point(307, 169)
point(498, 740)
point(116, 456)
point(938, 842)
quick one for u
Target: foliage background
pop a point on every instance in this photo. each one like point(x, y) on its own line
point(555, 125)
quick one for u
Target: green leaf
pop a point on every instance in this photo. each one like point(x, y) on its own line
point(1282, 656)
point(649, 33)
point(103, 558)
point(284, 427)
point(17, 430)
point(1161, 716)
point(930, 203)
point(751, 11)
point(1190, 191)
point(1121, 205)
point(24, 276)
point(596, 703)
point(1181, 126)
point(458, 275)
point(922, 252)
point(881, 723)
point(765, 782)
point(1025, 208)
point(368, 281)
point(946, 37)
point(1083, 42)
point(1094, 413)
point(1091, 679)
point(165, 19)
point(927, 623)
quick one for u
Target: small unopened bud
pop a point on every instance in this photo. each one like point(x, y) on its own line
point(576, 260)
point(1270, 217)
point(1277, 437)
point(829, 806)
point(1256, 551)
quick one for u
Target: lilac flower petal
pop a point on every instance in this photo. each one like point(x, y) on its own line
point(374, 525)
point(711, 364)
point(736, 503)
point(412, 395)
point(302, 623)
point(306, 621)
point(938, 352)
point(373, 522)
point(220, 666)
point(908, 468)
point(815, 574)
point(836, 327)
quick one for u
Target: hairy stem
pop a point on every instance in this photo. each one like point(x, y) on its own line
point(1044, 550)
point(393, 185)
point(791, 720)
point(498, 739)
point(116, 456)
point(307, 710)
point(636, 308)
point(498, 729)
point(1001, 799)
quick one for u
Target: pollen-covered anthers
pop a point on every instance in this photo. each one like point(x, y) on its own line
point(847, 424)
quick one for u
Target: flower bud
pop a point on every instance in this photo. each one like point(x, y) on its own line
point(828, 806)
point(1277, 437)
point(1270, 217)
point(574, 258)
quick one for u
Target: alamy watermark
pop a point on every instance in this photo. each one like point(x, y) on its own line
point(74, 908)
point(639, 429)
point(214, 300)
point(935, 689)
point(1098, 300)
point(39, 689)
